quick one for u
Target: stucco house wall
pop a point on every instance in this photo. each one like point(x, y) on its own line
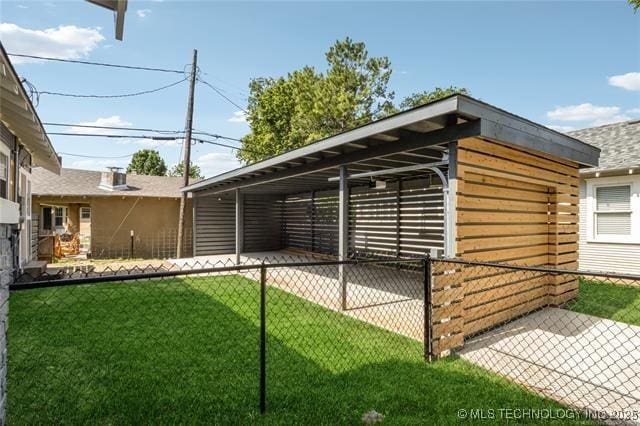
point(154, 222)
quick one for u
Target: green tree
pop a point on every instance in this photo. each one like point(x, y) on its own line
point(147, 162)
point(288, 112)
point(194, 171)
point(635, 4)
point(421, 98)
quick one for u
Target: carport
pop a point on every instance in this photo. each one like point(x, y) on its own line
point(454, 178)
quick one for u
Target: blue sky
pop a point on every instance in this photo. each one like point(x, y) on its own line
point(563, 64)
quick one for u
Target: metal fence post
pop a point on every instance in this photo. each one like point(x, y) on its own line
point(131, 245)
point(263, 338)
point(426, 262)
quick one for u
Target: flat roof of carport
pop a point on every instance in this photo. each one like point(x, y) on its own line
point(412, 137)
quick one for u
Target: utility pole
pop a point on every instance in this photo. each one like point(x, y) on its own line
point(187, 154)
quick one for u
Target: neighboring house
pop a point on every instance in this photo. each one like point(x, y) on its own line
point(23, 144)
point(610, 200)
point(100, 210)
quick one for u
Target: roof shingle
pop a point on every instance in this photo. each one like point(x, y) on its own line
point(619, 142)
point(75, 182)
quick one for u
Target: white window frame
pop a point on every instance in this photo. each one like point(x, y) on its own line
point(85, 209)
point(64, 219)
point(592, 185)
point(6, 151)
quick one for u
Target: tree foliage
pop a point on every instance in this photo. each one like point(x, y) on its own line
point(635, 4)
point(194, 171)
point(421, 98)
point(147, 162)
point(306, 105)
point(289, 112)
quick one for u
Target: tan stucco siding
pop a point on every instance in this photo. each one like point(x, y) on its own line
point(154, 222)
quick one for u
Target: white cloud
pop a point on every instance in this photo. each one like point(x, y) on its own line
point(63, 42)
point(628, 81)
point(22, 6)
point(238, 117)
point(143, 13)
point(214, 163)
point(633, 111)
point(583, 112)
point(113, 121)
point(562, 129)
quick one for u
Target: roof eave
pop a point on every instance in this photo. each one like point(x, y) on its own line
point(446, 106)
point(496, 124)
point(20, 117)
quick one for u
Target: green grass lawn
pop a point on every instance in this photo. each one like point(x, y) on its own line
point(186, 351)
point(608, 300)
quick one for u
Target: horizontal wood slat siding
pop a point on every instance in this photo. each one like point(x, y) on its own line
point(262, 223)
point(310, 222)
point(512, 206)
point(405, 221)
point(214, 225)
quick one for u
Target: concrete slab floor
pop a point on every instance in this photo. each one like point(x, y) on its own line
point(580, 360)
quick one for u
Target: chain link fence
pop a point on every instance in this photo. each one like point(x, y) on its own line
point(307, 340)
point(573, 336)
point(205, 342)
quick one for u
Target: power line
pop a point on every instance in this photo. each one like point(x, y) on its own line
point(92, 126)
point(95, 156)
point(152, 137)
point(219, 92)
point(116, 136)
point(140, 129)
point(102, 64)
point(216, 136)
point(123, 95)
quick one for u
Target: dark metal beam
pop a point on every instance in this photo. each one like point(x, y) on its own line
point(443, 135)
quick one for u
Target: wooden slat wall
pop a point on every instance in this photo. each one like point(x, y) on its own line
point(297, 221)
point(421, 216)
point(262, 223)
point(325, 222)
point(214, 225)
point(395, 221)
point(404, 219)
point(516, 207)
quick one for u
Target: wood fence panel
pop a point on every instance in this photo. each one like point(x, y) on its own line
point(512, 206)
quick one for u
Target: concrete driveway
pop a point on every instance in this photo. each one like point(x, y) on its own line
point(583, 361)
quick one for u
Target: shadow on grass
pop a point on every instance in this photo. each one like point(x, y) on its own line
point(186, 351)
point(618, 302)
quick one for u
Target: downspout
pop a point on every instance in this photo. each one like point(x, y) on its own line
point(448, 246)
point(16, 194)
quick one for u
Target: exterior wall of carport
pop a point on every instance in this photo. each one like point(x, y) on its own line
point(403, 219)
point(513, 206)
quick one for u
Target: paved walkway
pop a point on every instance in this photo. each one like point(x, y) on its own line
point(386, 297)
point(583, 361)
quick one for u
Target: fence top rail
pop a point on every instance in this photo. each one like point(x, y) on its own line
point(119, 276)
point(540, 269)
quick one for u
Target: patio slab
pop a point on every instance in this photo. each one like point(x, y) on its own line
point(583, 361)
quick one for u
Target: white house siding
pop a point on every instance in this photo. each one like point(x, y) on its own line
point(605, 257)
